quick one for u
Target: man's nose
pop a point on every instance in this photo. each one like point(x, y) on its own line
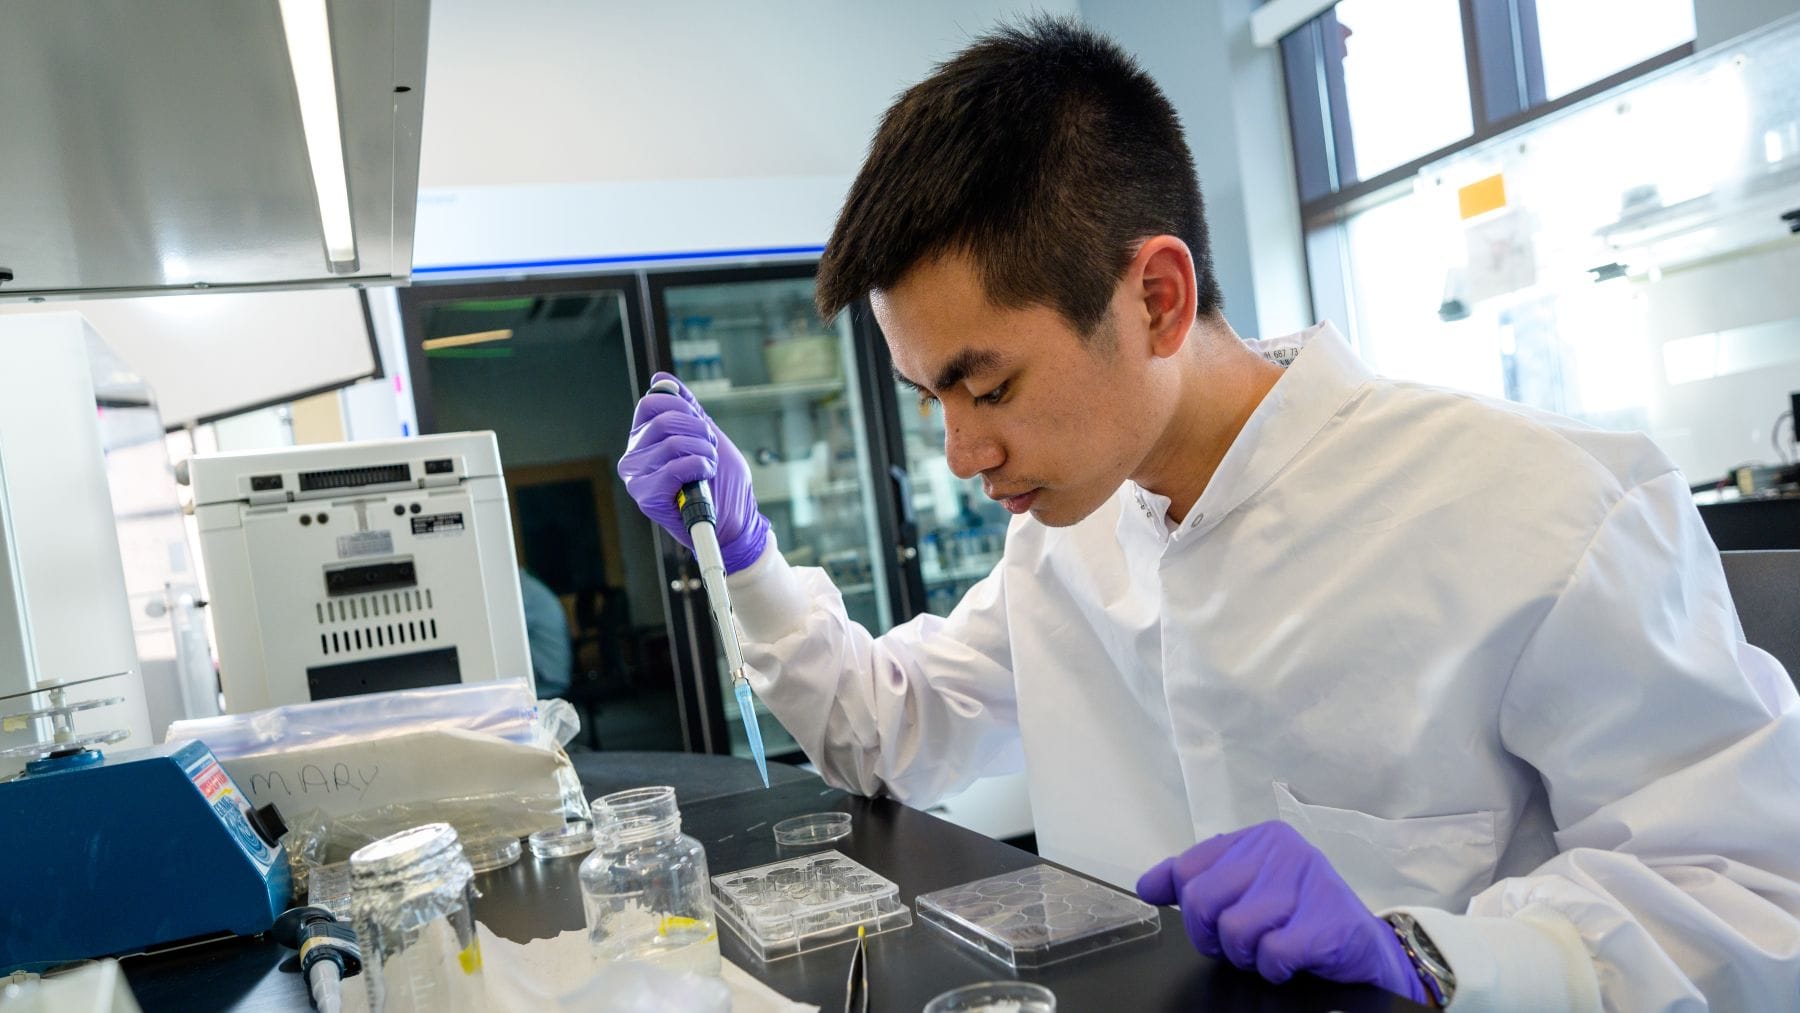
point(969, 448)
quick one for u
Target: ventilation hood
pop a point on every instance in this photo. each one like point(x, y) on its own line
point(160, 147)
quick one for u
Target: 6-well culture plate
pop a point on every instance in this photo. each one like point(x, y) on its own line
point(801, 904)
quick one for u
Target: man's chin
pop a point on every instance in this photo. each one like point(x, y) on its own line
point(1055, 510)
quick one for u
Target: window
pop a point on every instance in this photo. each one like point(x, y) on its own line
point(1593, 39)
point(1405, 81)
point(1613, 257)
point(1376, 88)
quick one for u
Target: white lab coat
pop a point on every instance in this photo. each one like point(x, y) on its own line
point(1483, 657)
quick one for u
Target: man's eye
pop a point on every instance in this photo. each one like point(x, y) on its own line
point(925, 403)
point(992, 397)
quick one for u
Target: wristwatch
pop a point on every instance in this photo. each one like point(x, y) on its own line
point(1434, 973)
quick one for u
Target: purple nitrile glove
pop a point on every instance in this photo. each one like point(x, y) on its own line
point(673, 442)
point(1268, 901)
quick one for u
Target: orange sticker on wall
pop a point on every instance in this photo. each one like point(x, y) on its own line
point(1482, 196)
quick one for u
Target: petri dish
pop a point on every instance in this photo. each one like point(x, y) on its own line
point(486, 854)
point(1038, 916)
point(995, 997)
point(575, 838)
point(811, 829)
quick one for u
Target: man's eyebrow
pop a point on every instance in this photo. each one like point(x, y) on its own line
point(964, 364)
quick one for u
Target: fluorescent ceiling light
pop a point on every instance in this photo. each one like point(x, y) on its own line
point(459, 340)
point(308, 31)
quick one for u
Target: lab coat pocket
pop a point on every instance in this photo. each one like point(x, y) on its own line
point(1431, 861)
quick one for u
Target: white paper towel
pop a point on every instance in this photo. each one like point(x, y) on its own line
point(522, 976)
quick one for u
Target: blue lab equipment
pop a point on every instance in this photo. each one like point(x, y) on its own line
point(118, 854)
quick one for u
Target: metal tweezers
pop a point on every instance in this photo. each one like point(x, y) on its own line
point(856, 991)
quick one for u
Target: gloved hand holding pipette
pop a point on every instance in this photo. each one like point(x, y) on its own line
point(686, 475)
point(673, 442)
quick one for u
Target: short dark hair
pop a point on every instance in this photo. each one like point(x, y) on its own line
point(1042, 151)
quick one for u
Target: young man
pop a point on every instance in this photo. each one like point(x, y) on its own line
point(1375, 647)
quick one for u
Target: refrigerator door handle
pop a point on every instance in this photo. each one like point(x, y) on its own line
point(903, 506)
point(907, 526)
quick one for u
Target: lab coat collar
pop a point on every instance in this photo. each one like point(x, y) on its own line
point(1322, 378)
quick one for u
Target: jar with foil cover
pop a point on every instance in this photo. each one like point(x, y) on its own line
point(412, 898)
point(645, 887)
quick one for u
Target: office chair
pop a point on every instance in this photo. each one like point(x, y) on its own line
point(1765, 584)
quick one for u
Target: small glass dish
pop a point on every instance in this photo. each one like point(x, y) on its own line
point(575, 838)
point(486, 854)
point(995, 997)
point(813, 829)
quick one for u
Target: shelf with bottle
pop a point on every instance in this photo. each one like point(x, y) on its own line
point(777, 492)
point(962, 575)
point(850, 571)
point(763, 397)
point(698, 358)
point(967, 552)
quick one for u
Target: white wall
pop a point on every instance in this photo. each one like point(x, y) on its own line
point(62, 553)
point(560, 91)
point(1230, 97)
point(1717, 21)
point(561, 130)
point(211, 353)
point(566, 129)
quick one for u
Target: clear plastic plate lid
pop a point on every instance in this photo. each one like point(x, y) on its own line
point(1038, 916)
point(575, 838)
point(485, 854)
point(807, 903)
point(812, 829)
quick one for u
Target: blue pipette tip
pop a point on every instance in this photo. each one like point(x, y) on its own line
point(747, 710)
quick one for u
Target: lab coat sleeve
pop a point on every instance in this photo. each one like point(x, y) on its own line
point(917, 713)
point(1671, 753)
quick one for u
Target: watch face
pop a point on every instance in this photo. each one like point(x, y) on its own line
point(1425, 956)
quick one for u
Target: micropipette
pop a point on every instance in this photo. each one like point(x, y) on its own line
point(328, 952)
point(696, 505)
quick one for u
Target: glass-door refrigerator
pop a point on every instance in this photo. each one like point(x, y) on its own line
point(947, 533)
point(792, 391)
point(958, 532)
point(554, 367)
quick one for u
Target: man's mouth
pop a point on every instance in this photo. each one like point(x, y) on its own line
point(1016, 503)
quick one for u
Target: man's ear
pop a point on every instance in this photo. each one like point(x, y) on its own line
point(1164, 271)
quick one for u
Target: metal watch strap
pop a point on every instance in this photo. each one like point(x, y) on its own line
point(1433, 971)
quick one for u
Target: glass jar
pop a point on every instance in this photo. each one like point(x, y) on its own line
point(645, 888)
point(412, 898)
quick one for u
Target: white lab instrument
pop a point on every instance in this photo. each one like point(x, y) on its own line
point(1482, 657)
point(349, 568)
point(64, 617)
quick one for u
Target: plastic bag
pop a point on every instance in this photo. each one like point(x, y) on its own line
point(559, 720)
point(348, 771)
point(505, 709)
